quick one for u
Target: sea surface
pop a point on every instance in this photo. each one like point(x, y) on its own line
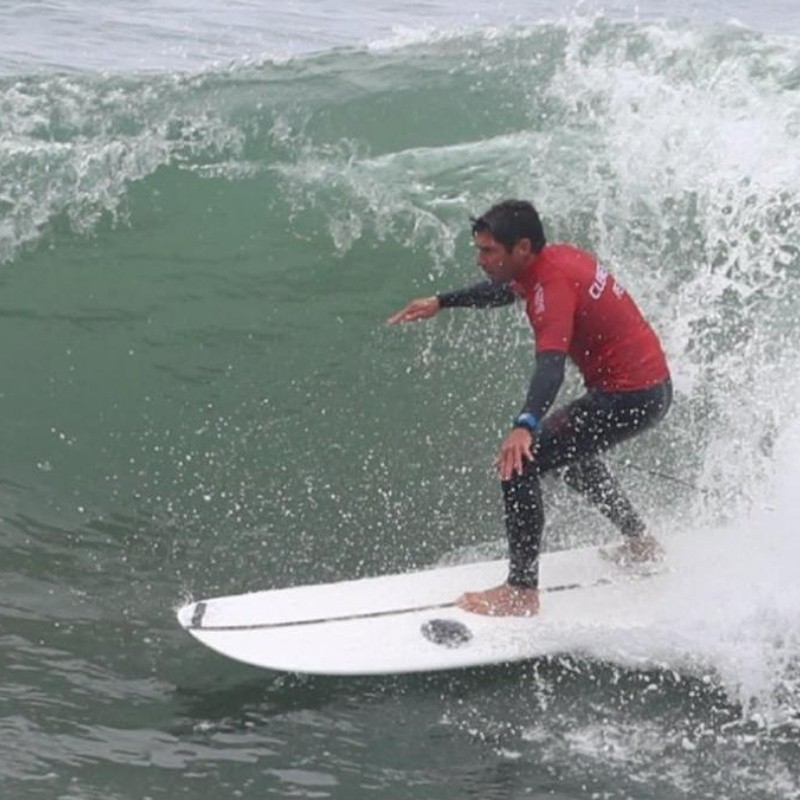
point(207, 212)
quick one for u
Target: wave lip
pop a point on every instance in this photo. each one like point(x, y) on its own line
point(584, 115)
point(70, 147)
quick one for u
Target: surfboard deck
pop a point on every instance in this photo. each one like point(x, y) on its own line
point(408, 622)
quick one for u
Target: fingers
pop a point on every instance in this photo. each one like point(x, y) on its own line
point(519, 460)
point(408, 314)
point(416, 309)
point(509, 463)
point(516, 450)
point(400, 316)
point(502, 468)
point(529, 450)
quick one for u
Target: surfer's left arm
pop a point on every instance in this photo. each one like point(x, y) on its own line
point(517, 447)
point(551, 313)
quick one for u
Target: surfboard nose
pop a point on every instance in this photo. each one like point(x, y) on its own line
point(186, 615)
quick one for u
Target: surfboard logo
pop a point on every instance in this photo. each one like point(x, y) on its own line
point(446, 632)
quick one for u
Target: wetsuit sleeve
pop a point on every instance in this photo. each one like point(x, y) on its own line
point(481, 295)
point(545, 383)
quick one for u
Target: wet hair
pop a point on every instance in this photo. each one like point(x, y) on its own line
point(509, 221)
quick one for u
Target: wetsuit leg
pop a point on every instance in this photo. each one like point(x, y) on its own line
point(524, 519)
point(574, 435)
point(591, 478)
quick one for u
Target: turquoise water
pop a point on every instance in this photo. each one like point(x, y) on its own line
point(200, 395)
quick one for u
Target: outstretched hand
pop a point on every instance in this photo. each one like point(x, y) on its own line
point(422, 308)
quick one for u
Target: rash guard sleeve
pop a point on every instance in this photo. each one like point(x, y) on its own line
point(551, 311)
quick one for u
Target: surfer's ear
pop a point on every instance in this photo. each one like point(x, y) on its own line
point(524, 247)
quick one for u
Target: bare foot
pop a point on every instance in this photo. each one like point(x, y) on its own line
point(642, 549)
point(501, 601)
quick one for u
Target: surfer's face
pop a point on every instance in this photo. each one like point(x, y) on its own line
point(499, 264)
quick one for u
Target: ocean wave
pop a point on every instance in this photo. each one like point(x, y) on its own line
point(666, 147)
point(649, 110)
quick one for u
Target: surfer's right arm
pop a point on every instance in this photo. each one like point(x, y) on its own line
point(482, 295)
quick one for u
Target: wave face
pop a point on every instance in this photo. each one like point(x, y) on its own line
point(201, 395)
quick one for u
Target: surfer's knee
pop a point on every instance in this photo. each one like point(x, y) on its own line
point(573, 477)
point(580, 475)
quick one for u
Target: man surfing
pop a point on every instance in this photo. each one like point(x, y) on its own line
point(578, 311)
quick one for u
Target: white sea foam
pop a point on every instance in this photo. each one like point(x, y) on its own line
point(73, 147)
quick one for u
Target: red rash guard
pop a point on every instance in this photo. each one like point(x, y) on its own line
point(577, 308)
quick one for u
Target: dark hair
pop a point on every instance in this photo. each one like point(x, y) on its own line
point(509, 221)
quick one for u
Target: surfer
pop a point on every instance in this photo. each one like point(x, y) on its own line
point(578, 311)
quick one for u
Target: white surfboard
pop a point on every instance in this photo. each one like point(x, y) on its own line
point(408, 622)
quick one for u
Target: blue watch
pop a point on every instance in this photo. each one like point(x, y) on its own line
point(526, 420)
